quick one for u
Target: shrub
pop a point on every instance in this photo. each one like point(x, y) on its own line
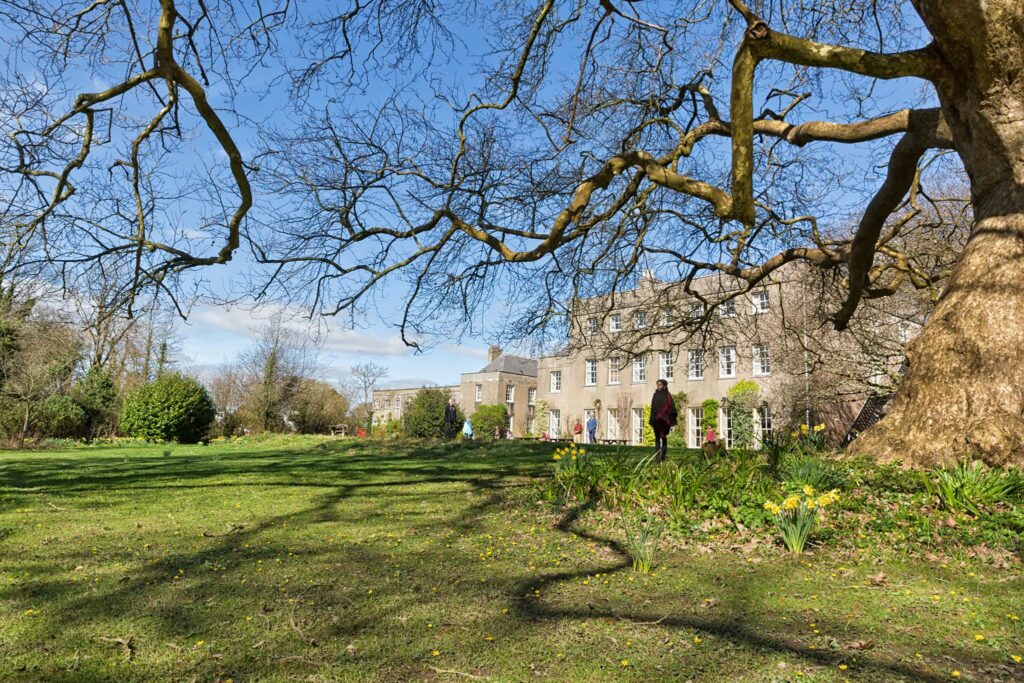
point(173, 407)
point(61, 418)
point(96, 394)
point(710, 407)
point(541, 421)
point(423, 417)
point(973, 486)
point(487, 418)
point(648, 429)
point(316, 407)
point(743, 398)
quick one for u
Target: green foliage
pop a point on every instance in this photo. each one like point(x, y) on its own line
point(60, 417)
point(710, 407)
point(541, 417)
point(96, 394)
point(392, 429)
point(488, 418)
point(173, 407)
point(743, 398)
point(423, 417)
point(648, 429)
point(642, 536)
point(972, 486)
point(805, 469)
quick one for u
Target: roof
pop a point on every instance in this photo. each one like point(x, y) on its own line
point(515, 365)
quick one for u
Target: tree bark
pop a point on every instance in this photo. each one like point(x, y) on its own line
point(963, 395)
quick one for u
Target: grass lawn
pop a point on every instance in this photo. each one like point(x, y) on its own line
point(301, 559)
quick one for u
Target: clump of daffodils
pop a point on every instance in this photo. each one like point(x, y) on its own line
point(795, 515)
point(569, 452)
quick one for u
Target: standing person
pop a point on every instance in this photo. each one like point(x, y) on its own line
point(663, 418)
point(592, 428)
point(467, 429)
point(577, 432)
point(451, 416)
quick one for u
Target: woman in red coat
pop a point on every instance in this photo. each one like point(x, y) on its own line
point(663, 418)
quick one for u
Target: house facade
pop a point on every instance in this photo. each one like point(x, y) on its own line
point(506, 380)
point(702, 345)
point(388, 404)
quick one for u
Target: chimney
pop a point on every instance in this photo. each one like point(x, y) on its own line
point(493, 352)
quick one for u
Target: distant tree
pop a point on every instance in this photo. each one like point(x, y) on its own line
point(488, 418)
point(96, 394)
point(316, 407)
point(424, 415)
point(173, 407)
point(273, 369)
point(38, 365)
point(366, 376)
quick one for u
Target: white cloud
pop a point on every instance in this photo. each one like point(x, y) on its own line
point(332, 339)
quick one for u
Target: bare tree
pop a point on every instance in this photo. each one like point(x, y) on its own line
point(273, 370)
point(366, 376)
point(587, 142)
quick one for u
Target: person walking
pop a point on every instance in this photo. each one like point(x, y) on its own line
point(664, 417)
point(451, 416)
point(592, 429)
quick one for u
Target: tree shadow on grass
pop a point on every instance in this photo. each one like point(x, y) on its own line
point(368, 477)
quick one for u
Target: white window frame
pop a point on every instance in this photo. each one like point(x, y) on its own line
point(666, 366)
point(640, 369)
point(695, 370)
point(590, 372)
point(696, 312)
point(727, 309)
point(592, 325)
point(613, 428)
point(614, 370)
point(531, 396)
point(725, 419)
point(764, 420)
point(727, 362)
point(556, 381)
point(510, 393)
point(696, 424)
point(762, 301)
point(478, 394)
point(615, 322)
point(762, 360)
point(531, 423)
point(555, 423)
point(667, 318)
point(639, 319)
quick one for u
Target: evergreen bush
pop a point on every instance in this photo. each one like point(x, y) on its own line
point(173, 407)
point(96, 394)
point(423, 417)
point(487, 418)
point(60, 417)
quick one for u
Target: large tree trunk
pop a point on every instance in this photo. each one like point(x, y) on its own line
point(963, 395)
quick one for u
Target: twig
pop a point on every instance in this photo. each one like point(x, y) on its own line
point(642, 623)
point(460, 673)
point(55, 507)
point(234, 529)
point(126, 643)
